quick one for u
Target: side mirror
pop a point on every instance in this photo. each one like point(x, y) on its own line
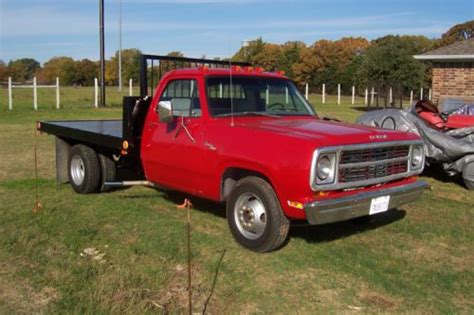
point(165, 111)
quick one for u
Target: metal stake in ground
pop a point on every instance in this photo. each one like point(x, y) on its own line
point(37, 203)
point(188, 205)
point(190, 295)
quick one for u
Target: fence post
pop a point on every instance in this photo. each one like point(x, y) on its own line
point(421, 94)
point(324, 94)
point(35, 94)
point(96, 93)
point(338, 94)
point(372, 95)
point(353, 94)
point(307, 91)
point(57, 93)
point(429, 94)
point(411, 97)
point(10, 94)
point(366, 96)
point(130, 84)
point(390, 96)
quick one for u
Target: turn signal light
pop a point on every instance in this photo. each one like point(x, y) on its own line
point(125, 145)
point(321, 193)
point(296, 204)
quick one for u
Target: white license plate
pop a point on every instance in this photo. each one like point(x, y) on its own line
point(379, 204)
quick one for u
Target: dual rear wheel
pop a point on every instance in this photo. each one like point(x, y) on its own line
point(88, 170)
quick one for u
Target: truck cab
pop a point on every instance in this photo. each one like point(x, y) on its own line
point(249, 138)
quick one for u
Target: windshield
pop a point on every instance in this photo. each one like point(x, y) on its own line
point(271, 97)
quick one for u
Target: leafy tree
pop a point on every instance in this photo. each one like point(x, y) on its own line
point(247, 54)
point(62, 67)
point(130, 66)
point(290, 54)
point(454, 33)
point(3, 71)
point(330, 62)
point(389, 61)
point(86, 71)
point(23, 69)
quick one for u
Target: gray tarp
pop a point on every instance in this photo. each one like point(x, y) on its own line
point(453, 149)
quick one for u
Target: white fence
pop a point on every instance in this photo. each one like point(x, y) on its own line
point(372, 94)
point(35, 87)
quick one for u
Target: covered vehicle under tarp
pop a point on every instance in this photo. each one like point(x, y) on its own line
point(454, 149)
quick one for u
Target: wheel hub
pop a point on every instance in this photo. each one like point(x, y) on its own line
point(250, 215)
point(77, 170)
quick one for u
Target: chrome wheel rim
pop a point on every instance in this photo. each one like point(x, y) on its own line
point(250, 216)
point(77, 170)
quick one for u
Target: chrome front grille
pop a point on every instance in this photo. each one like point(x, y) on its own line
point(367, 164)
point(374, 154)
point(362, 173)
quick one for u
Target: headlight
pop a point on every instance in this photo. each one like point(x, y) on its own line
point(417, 157)
point(325, 168)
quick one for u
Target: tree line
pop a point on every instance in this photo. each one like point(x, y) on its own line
point(349, 61)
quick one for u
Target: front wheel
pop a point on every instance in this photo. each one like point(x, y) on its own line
point(255, 217)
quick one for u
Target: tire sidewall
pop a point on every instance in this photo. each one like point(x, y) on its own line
point(90, 183)
point(270, 205)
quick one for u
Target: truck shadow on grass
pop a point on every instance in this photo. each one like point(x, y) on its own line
point(310, 233)
point(299, 229)
point(340, 230)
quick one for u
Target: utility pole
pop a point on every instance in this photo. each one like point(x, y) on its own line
point(102, 53)
point(120, 47)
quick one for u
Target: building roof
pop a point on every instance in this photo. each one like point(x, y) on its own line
point(459, 51)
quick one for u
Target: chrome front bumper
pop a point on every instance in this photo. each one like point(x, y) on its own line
point(358, 205)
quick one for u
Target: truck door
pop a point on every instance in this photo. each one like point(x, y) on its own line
point(174, 153)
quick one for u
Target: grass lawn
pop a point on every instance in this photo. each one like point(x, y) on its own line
point(416, 259)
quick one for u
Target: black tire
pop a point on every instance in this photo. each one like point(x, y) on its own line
point(89, 182)
point(107, 170)
point(276, 224)
point(468, 175)
point(361, 221)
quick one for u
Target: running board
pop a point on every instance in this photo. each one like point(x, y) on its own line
point(129, 184)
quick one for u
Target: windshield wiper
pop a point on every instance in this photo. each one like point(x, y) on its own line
point(249, 114)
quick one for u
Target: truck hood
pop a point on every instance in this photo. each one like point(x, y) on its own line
point(325, 132)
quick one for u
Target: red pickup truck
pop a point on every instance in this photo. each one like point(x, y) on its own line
point(248, 138)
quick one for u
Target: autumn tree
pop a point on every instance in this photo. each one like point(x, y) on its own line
point(86, 71)
point(454, 34)
point(23, 69)
point(3, 71)
point(62, 67)
point(330, 62)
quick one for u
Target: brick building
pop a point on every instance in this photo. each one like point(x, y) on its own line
point(453, 70)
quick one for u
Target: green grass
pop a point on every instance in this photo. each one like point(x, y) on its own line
point(417, 259)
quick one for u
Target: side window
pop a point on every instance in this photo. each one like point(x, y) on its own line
point(184, 96)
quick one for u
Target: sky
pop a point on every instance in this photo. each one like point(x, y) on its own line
point(42, 29)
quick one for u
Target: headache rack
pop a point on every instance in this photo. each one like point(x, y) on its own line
point(367, 164)
point(153, 67)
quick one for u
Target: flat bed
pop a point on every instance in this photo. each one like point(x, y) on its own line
point(106, 133)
